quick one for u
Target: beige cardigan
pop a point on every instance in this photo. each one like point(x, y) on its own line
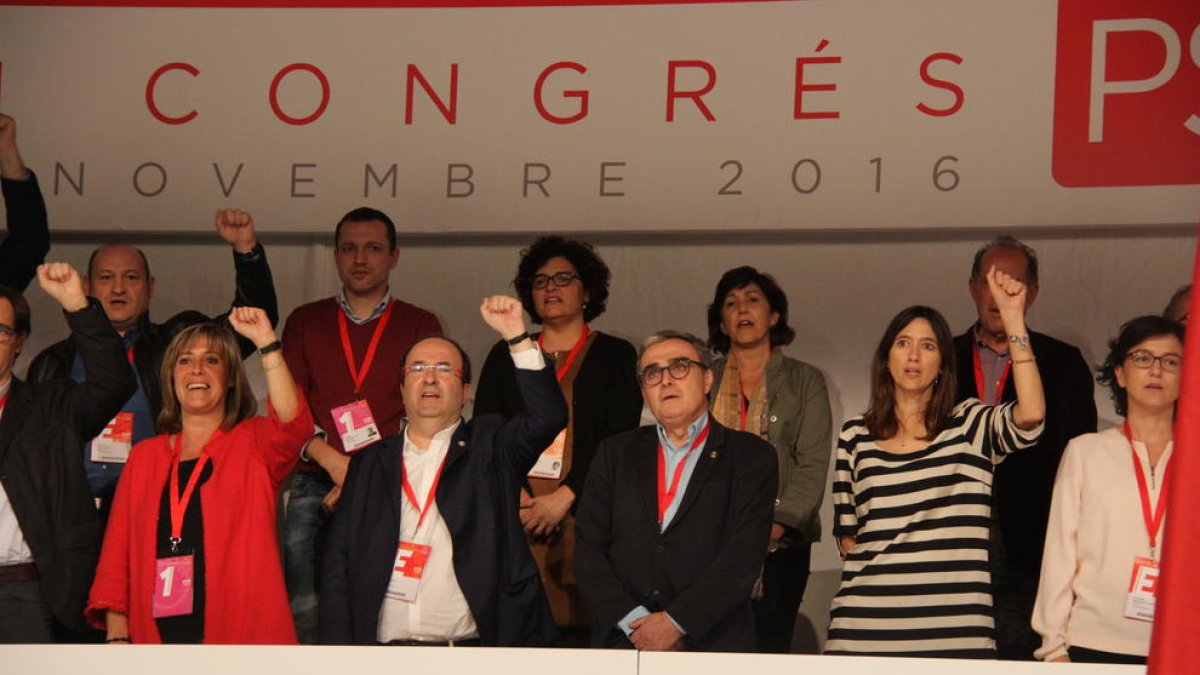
point(1095, 532)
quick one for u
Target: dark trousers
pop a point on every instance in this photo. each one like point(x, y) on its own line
point(785, 576)
point(24, 615)
point(1084, 655)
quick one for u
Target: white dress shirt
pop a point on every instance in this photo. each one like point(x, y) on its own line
point(440, 611)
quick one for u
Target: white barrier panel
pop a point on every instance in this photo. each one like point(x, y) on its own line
point(237, 660)
point(812, 114)
point(792, 664)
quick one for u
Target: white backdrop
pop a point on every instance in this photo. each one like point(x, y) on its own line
point(813, 114)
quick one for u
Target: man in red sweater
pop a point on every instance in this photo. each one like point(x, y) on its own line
point(346, 353)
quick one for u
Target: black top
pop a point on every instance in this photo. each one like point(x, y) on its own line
point(606, 398)
point(186, 628)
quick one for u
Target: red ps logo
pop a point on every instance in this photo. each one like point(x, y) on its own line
point(1127, 93)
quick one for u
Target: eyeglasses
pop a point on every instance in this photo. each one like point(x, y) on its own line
point(6, 334)
point(1143, 359)
point(441, 369)
point(678, 368)
point(560, 279)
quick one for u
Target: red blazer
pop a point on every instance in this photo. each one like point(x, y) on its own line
point(246, 601)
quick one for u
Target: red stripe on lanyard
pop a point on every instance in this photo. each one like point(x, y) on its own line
point(4, 398)
point(1153, 520)
point(358, 375)
point(412, 495)
point(129, 354)
point(667, 495)
point(979, 383)
point(179, 502)
point(566, 367)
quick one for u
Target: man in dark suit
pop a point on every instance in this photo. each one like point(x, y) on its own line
point(676, 517)
point(49, 527)
point(28, 238)
point(118, 275)
point(426, 546)
point(1024, 482)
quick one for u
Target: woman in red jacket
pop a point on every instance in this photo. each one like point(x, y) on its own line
point(190, 553)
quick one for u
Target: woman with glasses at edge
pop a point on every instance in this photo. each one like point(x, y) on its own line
point(784, 401)
point(1107, 516)
point(191, 554)
point(563, 285)
point(912, 491)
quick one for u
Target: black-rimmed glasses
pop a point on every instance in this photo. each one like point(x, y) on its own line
point(560, 279)
point(1170, 363)
point(6, 334)
point(678, 368)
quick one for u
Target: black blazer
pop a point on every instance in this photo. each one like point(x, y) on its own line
point(477, 496)
point(606, 398)
point(701, 569)
point(28, 238)
point(255, 288)
point(1024, 482)
point(42, 433)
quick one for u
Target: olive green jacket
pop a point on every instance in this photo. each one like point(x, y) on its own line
point(799, 426)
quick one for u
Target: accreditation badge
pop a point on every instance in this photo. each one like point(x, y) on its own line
point(410, 563)
point(1143, 586)
point(174, 586)
point(114, 443)
point(550, 463)
point(355, 425)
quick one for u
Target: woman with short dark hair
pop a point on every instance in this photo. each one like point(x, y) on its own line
point(563, 285)
point(190, 553)
point(784, 401)
point(1106, 518)
point(912, 491)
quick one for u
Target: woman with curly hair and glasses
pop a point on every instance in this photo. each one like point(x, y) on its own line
point(1107, 515)
point(563, 285)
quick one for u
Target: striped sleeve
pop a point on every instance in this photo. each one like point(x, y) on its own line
point(845, 520)
point(993, 430)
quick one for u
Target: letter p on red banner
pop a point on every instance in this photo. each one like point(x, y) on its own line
point(1127, 108)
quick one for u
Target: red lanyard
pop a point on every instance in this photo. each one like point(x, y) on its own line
point(566, 366)
point(4, 398)
point(129, 354)
point(667, 495)
point(360, 374)
point(979, 383)
point(1153, 520)
point(179, 503)
point(412, 495)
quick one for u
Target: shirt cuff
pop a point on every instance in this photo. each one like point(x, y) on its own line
point(633, 615)
point(529, 359)
point(676, 624)
point(318, 432)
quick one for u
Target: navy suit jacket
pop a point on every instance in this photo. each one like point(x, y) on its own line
point(699, 570)
point(478, 496)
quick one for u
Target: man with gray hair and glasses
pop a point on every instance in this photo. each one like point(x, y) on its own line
point(675, 518)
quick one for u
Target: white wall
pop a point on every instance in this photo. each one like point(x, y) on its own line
point(843, 288)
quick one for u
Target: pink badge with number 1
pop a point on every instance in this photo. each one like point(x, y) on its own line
point(355, 425)
point(173, 586)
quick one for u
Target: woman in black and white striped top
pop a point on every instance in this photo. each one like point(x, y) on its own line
point(912, 490)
